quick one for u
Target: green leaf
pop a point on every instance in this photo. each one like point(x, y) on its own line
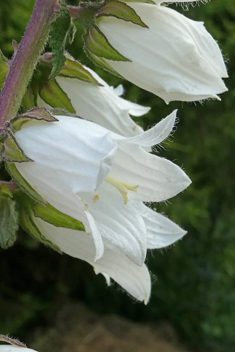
point(11, 150)
point(9, 221)
point(97, 44)
point(53, 95)
point(23, 184)
point(38, 114)
point(55, 217)
point(27, 223)
point(121, 11)
point(74, 69)
point(4, 69)
point(60, 30)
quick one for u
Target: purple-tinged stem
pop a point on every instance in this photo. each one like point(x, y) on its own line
point(25, 59)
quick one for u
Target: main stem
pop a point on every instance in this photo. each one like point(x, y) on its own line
point(25, 59)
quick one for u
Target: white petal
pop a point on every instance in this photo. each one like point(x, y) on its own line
point(70, 156)
point(13, 348)
point(122, 225)
point(97, 238)
point(133, 108)
point(156, 134)
point(119, 90)
point(158, 178)
point(107, 279)
point(133, 278)
point(180, 70)
point(161, 231)
point(100, 105)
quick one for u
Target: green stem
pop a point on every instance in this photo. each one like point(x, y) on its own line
point(25, 59)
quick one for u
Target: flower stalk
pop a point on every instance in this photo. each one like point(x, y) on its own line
point(25, 59)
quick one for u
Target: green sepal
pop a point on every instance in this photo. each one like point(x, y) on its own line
point(54, 96)
point(23, 184)
point(144, 1)
point(38, 114)
point(27, 223)
point(59, 32)
point(102, 63)
point(74, 69)
point(121, 11)
point(11, 150)
point(55, 217)
point(97, 44)
point(29, 99)
point(5, 190)
point(9, 219)
point(4, 69)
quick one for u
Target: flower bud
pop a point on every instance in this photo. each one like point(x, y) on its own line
point(101, 179)
point(174, 58)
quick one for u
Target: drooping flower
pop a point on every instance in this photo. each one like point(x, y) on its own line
point(174, 58)
point(98, 103)
point(135, 279)
point(101, 179)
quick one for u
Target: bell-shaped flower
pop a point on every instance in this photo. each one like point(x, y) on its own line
point(101, 179)
point(173, 57)
point(114, 263)
point(98, 103)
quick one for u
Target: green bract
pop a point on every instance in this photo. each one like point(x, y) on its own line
point(39, 114)
point(101, 62)
point(121, 11)
point(9, 218)
point(27, 223)
point(55, 217)
point(29, 210)
point(22, 183)
point(4, 68)
point(11, 151)
point(54, 96)
point(74, 69)
point(97, 44)
point(49, 90)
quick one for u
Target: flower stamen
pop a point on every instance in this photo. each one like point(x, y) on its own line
point(122, 186)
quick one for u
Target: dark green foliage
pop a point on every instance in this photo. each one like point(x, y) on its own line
point(9, 219)
point(194, 286)
point(60, 30)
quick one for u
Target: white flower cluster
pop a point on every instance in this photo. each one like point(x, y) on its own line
point(98, 168)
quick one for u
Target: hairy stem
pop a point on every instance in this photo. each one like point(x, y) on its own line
point(25, 59)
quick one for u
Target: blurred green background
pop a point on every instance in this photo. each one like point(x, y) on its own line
point(194, 280)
